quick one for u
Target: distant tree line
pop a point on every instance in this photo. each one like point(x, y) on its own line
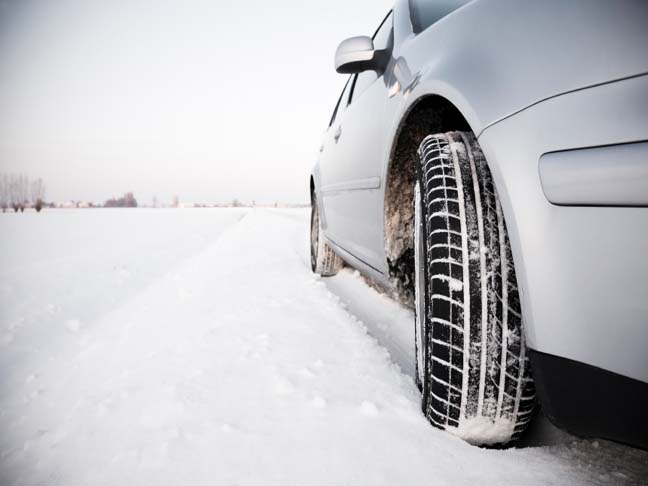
point(18, 192)
point(126, 201)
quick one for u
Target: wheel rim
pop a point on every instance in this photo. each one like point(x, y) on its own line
point(419, 287)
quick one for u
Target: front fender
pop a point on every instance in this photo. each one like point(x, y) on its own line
point(493, 58)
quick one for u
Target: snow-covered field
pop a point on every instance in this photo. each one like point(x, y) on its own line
point(155, 347)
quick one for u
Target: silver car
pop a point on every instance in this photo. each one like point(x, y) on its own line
point(487, 164)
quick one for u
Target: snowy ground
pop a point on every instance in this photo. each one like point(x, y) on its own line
point(155, 347)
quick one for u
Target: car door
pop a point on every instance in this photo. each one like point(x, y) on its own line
point(329, 149)
point(351, 176)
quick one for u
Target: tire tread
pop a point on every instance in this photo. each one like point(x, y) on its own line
point(483, 371)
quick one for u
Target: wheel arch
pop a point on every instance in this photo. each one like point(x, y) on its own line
point(428, 114)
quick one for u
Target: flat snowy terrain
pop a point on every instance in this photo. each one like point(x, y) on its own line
point(173, 347)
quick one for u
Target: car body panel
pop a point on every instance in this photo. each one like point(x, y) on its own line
point(351, 185)
point(582, 270)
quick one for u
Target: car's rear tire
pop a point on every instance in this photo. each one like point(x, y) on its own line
point(471, 359)
point(324, 260)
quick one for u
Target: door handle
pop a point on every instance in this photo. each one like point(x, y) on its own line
point(338, 133)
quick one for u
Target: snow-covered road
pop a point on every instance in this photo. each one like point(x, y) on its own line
point(155, 347)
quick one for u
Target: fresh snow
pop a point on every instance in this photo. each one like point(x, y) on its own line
point(474, 429)
point(166, 347)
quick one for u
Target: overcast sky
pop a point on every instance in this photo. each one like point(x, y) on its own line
point(207, 99)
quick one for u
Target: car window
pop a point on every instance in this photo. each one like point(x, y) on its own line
point(427, 12)
point(383, 40)
point(382, 37)
point(343, 101)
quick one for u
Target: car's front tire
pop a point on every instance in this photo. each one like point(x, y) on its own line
point(471, 361)
point(324, 261)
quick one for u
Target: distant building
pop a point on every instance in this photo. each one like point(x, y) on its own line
point(66, 204)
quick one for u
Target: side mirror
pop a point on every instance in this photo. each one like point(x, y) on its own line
point(356, 55)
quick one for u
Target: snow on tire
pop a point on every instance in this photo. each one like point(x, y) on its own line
point(472, 366)
point(324, 260)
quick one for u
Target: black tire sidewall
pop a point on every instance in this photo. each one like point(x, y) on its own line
point(314, 244)
point(424, 385)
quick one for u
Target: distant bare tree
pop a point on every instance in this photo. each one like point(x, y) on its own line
point(38, 194)
point(20, 192)
point(13, 192)
point(130, 200)
point(4, 192)
point(155, 201)
point(24, 191)
point(127, 201)
point(175, 202)
point(236, 203)
point(17, 192)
